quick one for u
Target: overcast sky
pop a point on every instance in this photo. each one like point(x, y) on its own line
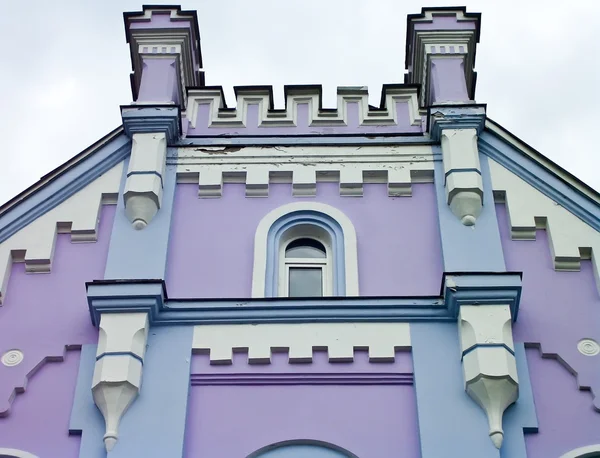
point(66, 68)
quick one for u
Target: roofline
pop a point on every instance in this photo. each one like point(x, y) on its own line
point(542, 160)
point(58, 171)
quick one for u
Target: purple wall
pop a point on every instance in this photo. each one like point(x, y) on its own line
point(371, 421)
point(41, 315)
point(211, 247)
point(557, 310)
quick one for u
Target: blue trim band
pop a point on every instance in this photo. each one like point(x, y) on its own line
point(62, 187)
point(120, 353)
point(149, 296)
point(493, 345)
point(540, 178)
point(147, 172)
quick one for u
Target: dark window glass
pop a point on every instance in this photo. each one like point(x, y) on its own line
point(305, 248)
point(306, 282)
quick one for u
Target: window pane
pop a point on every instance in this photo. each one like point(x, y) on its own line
point(306, 282)
point(305, 248)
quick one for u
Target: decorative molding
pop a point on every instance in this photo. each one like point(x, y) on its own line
point(13, 453)
point(25, 370)
point(78, 215)
point(144, 183)
point(342, 378)
point(571, 239)
point(218, 116)
point(12, 358)
point(148, 40)
point(272, 227)
point(299, 340)
point(541, 173)
point(423, 44)
point(152, 118)
point(490, 370)
point(118, 370)
point(482, 289)
point(304, 166)
point(588, 347)
point(589, 451)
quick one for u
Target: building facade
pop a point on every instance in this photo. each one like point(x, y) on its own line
point(409, 280)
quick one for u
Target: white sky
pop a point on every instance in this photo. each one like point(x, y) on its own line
point(66, 68)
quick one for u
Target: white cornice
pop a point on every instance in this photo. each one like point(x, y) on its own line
point(304, 166)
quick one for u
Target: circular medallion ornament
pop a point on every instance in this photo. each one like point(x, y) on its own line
point(12, 357)
point(588, 347)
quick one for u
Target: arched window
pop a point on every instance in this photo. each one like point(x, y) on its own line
point(305, 249)
point(305, 270)
point(591, 451)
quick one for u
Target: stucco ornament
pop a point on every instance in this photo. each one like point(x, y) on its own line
point(144, 185)
point(489, 364)
point(12, 358)
point(118, 372)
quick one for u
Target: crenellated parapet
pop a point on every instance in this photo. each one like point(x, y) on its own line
point(208, 113)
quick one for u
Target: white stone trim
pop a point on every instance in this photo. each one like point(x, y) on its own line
point(339, 339)
point(571, 239)
point(78, 215)
point(261, 235)
point(13, 453)
point(303, 166)
point(583, 452)
point(360, 95)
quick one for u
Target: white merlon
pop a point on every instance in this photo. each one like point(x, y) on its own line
point(143, 187)
point(118, 371)
point(78, 215)
point(464, 187)
point(571, 239)
point(489, 364)
point(338, 339)
point(304, 167)
point(357, 96)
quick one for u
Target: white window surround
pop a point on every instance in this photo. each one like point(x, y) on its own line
point(589, 451)
point(305, 231)
point(12, 453)
point(261, 241)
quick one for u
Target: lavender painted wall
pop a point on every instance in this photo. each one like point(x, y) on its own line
point(41, 315)
point(566, 418)
point(371, 421)
point(211, 245)
point(557, 310)
point(39, 419)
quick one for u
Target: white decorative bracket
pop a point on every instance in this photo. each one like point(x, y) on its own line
point(144, 185)
point(118, 371)
point(489, 363)
point(464, 188)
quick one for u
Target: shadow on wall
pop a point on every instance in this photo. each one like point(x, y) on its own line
point(301, 449)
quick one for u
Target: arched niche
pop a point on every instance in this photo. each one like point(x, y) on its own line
point(13, 453)
point(302, 449)
point(590, 451)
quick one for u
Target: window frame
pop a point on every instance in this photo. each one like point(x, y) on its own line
point(285, 263)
